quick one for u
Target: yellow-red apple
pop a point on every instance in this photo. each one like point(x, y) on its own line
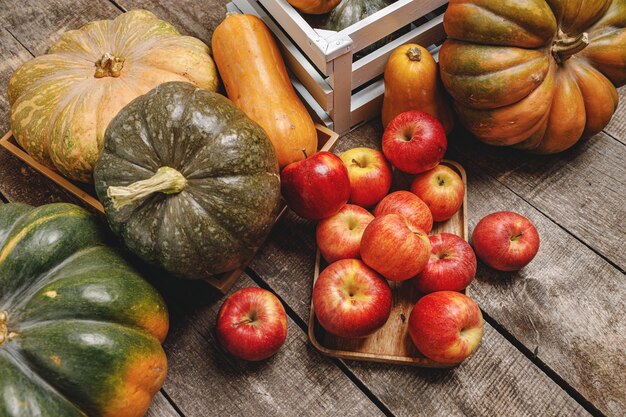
point(408, 205)
point(446, 326)
point(339, 236)
point(442, 189)
point(393, 247)
point(350, 299)
point(370, 175)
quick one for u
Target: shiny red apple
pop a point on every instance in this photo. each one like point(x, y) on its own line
point(505, 241)
point(408, 205)
point(442, 189)
point(252, 324)
point(370, 175)
point(339, 236)
point(446, 326)
point(451, 267)
point(414, 142)
point(350, 299)
point(316, 187)
point(394, 247)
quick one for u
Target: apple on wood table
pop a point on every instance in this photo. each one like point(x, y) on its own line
point(339, 236)
point(351, 300)
point(370, 175)
point(505, 241)
point(446, 326)
point(442, 189)
point(414, 142)
point(252, 324)
point(394, 247)
point(451, 267)
point(408, 205)
point(316, 187)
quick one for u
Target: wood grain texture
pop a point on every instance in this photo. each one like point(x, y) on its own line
point(498, 380)
point(617, 126)
point(160, 407)
point(191, 17)
point(204, 381)
point(582, 189)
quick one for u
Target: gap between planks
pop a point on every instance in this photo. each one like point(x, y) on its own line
point(338, 362)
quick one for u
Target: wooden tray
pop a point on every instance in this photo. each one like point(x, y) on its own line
point(391, 343)
point(87, 194)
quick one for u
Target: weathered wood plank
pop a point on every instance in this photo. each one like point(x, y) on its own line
point(498, 380)
point(203, 380)
point(191, 17)
point(617, 127)
point(160, 407)
point(582, 189)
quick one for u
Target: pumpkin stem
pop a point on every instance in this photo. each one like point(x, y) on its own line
point(565, 47)
point(414, 54)
point(4, 330)
point(166, 180)
point(109, 66)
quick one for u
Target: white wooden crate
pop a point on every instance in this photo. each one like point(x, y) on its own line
point(322, 61)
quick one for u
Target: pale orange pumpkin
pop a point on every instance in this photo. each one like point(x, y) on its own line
point(62, 102)
point(412, 83)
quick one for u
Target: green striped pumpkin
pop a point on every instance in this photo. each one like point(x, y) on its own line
point(80, 330)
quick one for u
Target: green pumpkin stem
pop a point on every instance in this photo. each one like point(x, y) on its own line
point(565, 47)
point(166, 180)
point(109, 66)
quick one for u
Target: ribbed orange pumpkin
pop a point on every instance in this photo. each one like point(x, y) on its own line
point(314, 6)
point(62, 102)
point(412, 83)
point(537, 74)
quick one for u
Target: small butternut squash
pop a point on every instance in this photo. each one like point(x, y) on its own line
point(256, 80)
point(412, 83)
point(314, 6)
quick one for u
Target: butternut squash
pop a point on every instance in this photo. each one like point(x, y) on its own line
point(256, 80)
point(412, 83)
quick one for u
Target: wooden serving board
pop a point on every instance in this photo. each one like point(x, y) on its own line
point(391, 343)
point(87, 194)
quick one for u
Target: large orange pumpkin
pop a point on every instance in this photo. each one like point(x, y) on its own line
point(537, 74)
point(62, 102)
point(314, 6)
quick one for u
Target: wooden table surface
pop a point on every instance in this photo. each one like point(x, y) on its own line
point(555, 332)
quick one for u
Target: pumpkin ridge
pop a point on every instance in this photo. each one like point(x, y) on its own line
point(40, 282)
point(8, 246)
point(18, 360)
point(515, 23)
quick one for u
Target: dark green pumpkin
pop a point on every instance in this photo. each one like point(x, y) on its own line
point(80, 330)
point(188, 181)
point(350, 12)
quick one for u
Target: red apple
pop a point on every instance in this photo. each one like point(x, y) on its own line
point(252, 324)
point(339, 236)
point(350, 299)
point(446, 326)
point(414, 142)
point(370, 175)
point(408, 205)
point(505, 241)
point(451, 267)
point(393, 247)
point(316, 187)
point(442, 189)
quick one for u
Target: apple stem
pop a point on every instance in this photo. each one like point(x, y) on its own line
point(441, 182)
point(244, 321)
point(517, 236)
point(354, 161)
point(304, 152)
